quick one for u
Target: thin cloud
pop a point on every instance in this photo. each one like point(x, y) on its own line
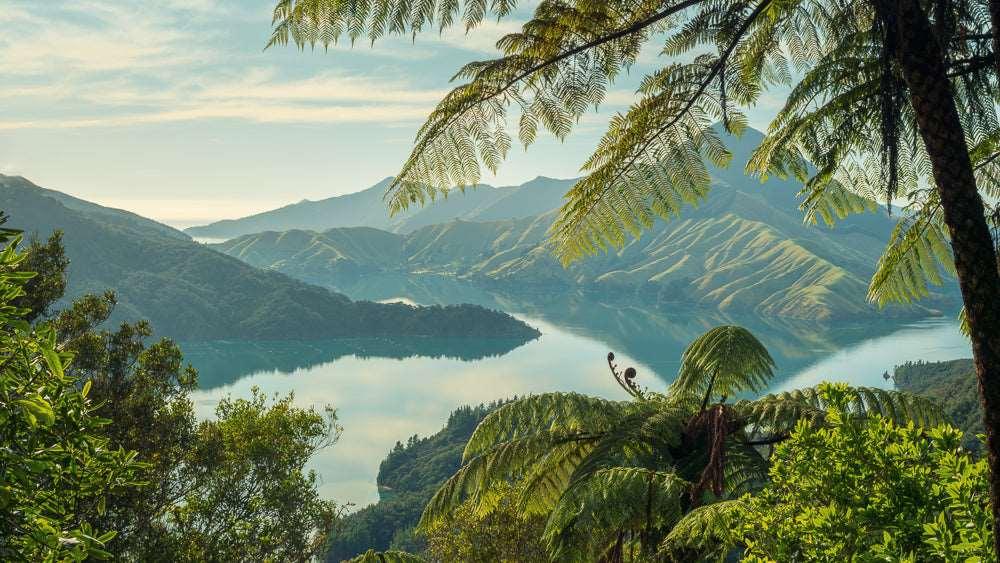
point(88, 37)
point(261, 113)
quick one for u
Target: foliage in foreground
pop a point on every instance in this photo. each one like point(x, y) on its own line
point(231, 488)
point(612, 478)
point(499, 532)
point(952, 384)
point(55, 460)
point(854, 489)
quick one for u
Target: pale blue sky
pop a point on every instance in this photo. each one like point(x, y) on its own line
point(171, 109)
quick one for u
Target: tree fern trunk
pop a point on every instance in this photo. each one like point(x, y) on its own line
point(995, 30)
point(921, 62)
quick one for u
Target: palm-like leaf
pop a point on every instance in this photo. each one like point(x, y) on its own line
point(705, 533)
point(725, 361)
point(651, 161)
point(591, 514)
point(616, 474)
point(372, 556)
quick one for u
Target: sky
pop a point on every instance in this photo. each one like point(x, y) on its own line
point(173, 109)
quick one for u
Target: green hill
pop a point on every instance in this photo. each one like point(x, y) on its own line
point(953, 385)
point(743, 251)
point(191, 292)
point(367, 208)
point(407, 479)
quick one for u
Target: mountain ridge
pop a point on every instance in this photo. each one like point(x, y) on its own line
point(191, 292)
point(745, 249)
point(367, 208)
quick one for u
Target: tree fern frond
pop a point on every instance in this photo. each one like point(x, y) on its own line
point(507, 461)
point(553, 412)
point(724, 361)
point(777, 414)
point(839, 197)
point(589, 516)
point(705, 533)
point(392, 556)
point(918, 255)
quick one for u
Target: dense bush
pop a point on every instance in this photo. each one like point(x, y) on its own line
point(55, 460)
point(871, 489)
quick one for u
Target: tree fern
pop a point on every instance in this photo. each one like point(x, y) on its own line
point(372, 556)
point(651, 162)
point(918, 255)
point(616, 475)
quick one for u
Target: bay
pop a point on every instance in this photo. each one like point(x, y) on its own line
point(386, 390)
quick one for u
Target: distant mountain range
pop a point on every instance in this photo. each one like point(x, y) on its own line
point(744, 251)
point(368, 209)
point(191, 292)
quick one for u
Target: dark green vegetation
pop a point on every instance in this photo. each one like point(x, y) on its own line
point(55, 458)
point(952, 385)
point(504, 533)
point(191, 292)
point(925, 499)
point(617, 476)
point(103, 456)
point(745, 250)
point(367, 209)
point(574, 478)
point(407, 479)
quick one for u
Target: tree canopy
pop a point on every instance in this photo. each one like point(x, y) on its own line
point(105, 457)
point(868, 489)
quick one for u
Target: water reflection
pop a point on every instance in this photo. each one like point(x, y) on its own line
point(386, 390)
point(224, 362)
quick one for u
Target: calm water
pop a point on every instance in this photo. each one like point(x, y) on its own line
point(387, 390)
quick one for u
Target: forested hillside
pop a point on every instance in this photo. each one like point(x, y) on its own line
point(953, 385)
point(367, 208)
point(191, 292)
point(407, 479)
point(745, 250)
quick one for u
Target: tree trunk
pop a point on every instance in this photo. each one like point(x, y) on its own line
point(995, 30)
point(921, 61)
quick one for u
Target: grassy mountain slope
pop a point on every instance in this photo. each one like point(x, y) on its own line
point(191, 292)
point(744, 250)
point(367, 208)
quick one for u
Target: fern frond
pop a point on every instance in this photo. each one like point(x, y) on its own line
point(312, 23)
point(590, 515)
point(392, 556)
point(918, 255)
point(553, 412)
point(506, 461)
point(705, 533)
point(724, 361)
point(838, 198)
point(777, 414)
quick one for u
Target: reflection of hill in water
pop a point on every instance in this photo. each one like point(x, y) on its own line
point(223, 362)
point(654, 337)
